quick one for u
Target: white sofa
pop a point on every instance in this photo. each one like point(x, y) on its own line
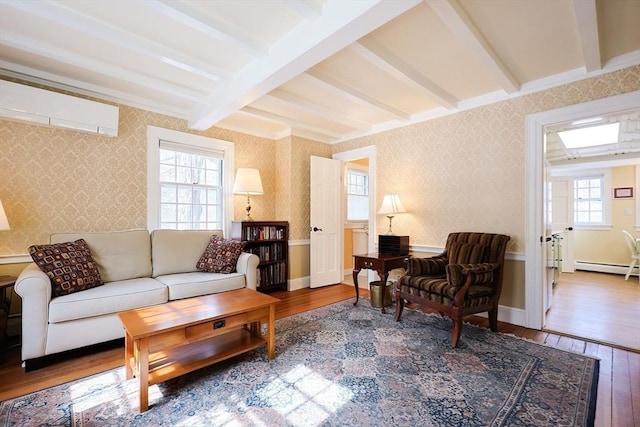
point(139, 269)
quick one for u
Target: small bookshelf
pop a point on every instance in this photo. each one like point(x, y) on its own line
point(269, 240)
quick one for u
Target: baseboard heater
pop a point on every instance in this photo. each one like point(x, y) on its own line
point(605, 268)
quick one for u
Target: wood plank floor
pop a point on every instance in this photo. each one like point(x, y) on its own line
point(596, 306)
point(618, 402)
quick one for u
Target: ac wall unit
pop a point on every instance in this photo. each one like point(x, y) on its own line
point(38, 106)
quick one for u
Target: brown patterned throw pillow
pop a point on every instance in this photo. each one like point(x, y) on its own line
point(220, 256)
point(69, 265)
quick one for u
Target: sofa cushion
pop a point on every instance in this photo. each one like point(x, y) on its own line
point(220, 256)
point(120, 255)
point(188, 285)
point(110, 298)
point(69, 265)
point(466, 253)
point(178, 251)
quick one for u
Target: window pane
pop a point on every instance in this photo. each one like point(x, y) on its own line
point(184, 194)
point(168, 193)
point(167, 173)
point(167, 213)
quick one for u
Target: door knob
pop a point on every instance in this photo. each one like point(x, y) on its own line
point(316, 229)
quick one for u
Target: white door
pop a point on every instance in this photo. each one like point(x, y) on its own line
point(562, 219)
point(325, 228)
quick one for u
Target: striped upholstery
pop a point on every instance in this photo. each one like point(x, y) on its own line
point(466, 278)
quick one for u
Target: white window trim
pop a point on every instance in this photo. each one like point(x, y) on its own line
point(154, 135)
point(606, 198)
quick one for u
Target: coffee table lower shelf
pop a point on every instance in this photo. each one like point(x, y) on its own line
point(168, 364)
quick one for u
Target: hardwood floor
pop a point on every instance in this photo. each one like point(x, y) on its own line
point(597, 307)
point(618, 402)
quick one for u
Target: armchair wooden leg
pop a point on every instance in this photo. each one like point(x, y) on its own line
point(493, 319)
point(456, 331)
point(399, 306)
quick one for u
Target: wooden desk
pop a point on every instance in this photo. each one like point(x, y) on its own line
point(381, 263)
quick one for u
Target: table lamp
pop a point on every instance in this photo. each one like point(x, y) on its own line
point(4, 222)
point(391, 205)
point(248, 182)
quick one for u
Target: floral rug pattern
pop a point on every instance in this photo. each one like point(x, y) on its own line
point(341, 365)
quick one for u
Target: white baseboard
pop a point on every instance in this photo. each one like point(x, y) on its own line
point(515, 316)
point(299, 283)
point(604, 268)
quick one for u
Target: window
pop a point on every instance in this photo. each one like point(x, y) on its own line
point(588, 200)
point(189, 181)
point(190, 189)
point(357, 195)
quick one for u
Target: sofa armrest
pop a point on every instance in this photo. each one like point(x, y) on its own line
point(34, 287)
point(248, 265)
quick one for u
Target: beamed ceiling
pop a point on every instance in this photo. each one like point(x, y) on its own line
point(319, 69)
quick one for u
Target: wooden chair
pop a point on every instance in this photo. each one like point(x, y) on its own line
point(632, 244)
point(465, 279)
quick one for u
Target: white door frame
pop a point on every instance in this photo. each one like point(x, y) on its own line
point(368, 152)
point(535, 182)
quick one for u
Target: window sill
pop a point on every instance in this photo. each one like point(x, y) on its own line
point(599, 227)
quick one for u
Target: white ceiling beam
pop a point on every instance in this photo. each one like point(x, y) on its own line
point(88, 25)
point(402, 115)
point(307, 9)
point(288, 121)
point(208, 25)
point(307, 106)
point(456, 19)
point(587, 20)
point(83, 63)
point(310, 42)
point(392, 64)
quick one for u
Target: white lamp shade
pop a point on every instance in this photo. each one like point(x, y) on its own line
point(4, 222)
point(391, 205)
point(248, 182)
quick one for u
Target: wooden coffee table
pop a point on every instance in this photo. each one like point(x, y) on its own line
point(172, 339)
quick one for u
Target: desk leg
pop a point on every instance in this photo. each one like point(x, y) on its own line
point(384, 275)
point(355, 283)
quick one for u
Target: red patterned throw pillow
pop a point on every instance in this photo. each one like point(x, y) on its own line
point(220, 256)
point(69, 265)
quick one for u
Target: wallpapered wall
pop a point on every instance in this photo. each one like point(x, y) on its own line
point(55, 180)
point(466, 171)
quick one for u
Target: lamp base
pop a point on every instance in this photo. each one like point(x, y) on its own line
point(390, 232)
point(248, 209)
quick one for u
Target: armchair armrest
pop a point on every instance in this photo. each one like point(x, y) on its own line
point(248, 265)
point(34, 287)
point(476, 274)
point(426, 266)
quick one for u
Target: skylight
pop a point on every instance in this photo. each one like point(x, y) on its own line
point(590, 136)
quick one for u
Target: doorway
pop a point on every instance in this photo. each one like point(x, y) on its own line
point(536, 182)
point(363, 230)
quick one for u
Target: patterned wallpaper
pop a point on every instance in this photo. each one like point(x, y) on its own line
point(55, 180)
point(466, 171)
point(460, 172)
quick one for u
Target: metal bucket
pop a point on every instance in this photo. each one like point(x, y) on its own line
point(380, 294)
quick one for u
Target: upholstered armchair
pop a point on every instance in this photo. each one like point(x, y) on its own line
point(464, 279)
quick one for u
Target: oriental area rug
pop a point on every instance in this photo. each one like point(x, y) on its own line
point(342, 365)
